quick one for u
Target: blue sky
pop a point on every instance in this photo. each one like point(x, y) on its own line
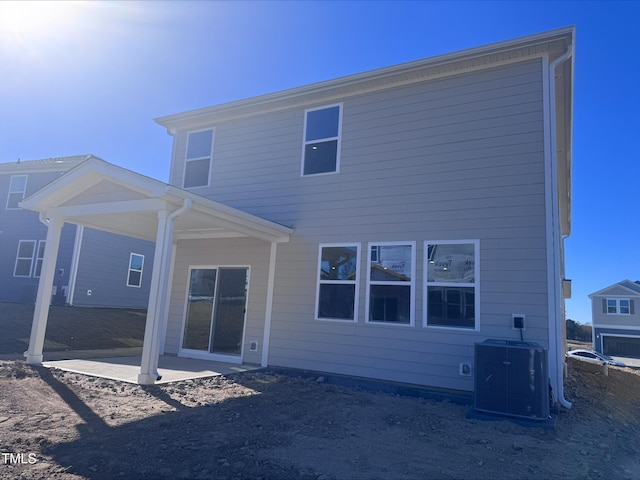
point(90, 77)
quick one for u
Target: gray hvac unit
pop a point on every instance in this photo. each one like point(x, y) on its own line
point(512, 378)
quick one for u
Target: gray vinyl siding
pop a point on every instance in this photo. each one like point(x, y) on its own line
point(243, 252)
point(103, 268)
point(19, 224)
point(460, 157)
point(602, 319)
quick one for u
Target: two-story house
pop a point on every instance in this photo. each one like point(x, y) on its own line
point(377, 225)
point(615, 318)
point(93, 267)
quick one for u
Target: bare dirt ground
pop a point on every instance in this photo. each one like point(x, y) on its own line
point(268, 425)
point(67, 328)
point(265, 425)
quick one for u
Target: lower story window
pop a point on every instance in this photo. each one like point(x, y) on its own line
point(136, 263)
point(24, 258)
point(451, 286)
point(337, 282)
point(390, 283)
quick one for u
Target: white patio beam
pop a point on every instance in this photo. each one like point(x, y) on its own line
point(127, 206)
point(45, 286)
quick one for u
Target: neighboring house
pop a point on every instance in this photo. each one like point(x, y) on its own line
point(615, 314)
point(377, 225)
point(125, 263)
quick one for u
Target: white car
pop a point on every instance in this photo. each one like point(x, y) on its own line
point(593, 357)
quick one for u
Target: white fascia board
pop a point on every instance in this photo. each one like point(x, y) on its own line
point(128, 206)
point(603, 292)
point(86, 175)
point(387, 75)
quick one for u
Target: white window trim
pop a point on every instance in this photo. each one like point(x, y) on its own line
point(11, 191)
point(617, 300)
point(35, 251)
point(355, 282)
point(327, 139)
point(411, 284)
point(210, 157)
point(475, 285)
point(38, 258)
point(130, 269)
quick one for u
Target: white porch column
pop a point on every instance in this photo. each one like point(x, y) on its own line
point(45, 286)
point(269, 306)
point(159, 280)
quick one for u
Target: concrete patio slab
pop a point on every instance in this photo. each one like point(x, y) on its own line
point(126, 369)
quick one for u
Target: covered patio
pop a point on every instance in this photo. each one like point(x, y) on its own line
point(106, 197)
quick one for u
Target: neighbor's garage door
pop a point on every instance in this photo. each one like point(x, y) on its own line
point(621, 346)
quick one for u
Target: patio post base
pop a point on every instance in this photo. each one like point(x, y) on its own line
point(146, 379)
point(33, 359)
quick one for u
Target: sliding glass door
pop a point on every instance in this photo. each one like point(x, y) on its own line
point(216, 306)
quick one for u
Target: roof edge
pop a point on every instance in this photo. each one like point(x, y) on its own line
point(389, 73)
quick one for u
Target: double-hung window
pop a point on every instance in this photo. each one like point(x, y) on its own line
point(24, 258)
point(337, 294)
point(39, 258)
point(321, 146)
point(197, 165)
point(136, 263)
point(391, 283)
point(618, 306)
point(451, 286)
point(17, 189)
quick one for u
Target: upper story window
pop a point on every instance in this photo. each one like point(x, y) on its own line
point(618, 306)
point(321, 146)
point(136, 262)
point(197, 165)
point(17, 189)
point(451, 286)
point(391, 283)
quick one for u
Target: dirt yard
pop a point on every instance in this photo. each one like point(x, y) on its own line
point(67, 328)
point(264, 425)
point(267, 425)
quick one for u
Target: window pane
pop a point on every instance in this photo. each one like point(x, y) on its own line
point(25, 249)
point(624, 306)
point(338, 263)
point(393, 264)
point(320, 157)
point(453, 263)
point(322, 123)
point(14, 199)
point(336, 301)
point(451, 306)
point(135, 278)
point(612, 306)
point(136, 262)
point(200, 144)
point(23, 268)
point(18, 183)
point(196, 173)
point(199, 309)
point(390, 303)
